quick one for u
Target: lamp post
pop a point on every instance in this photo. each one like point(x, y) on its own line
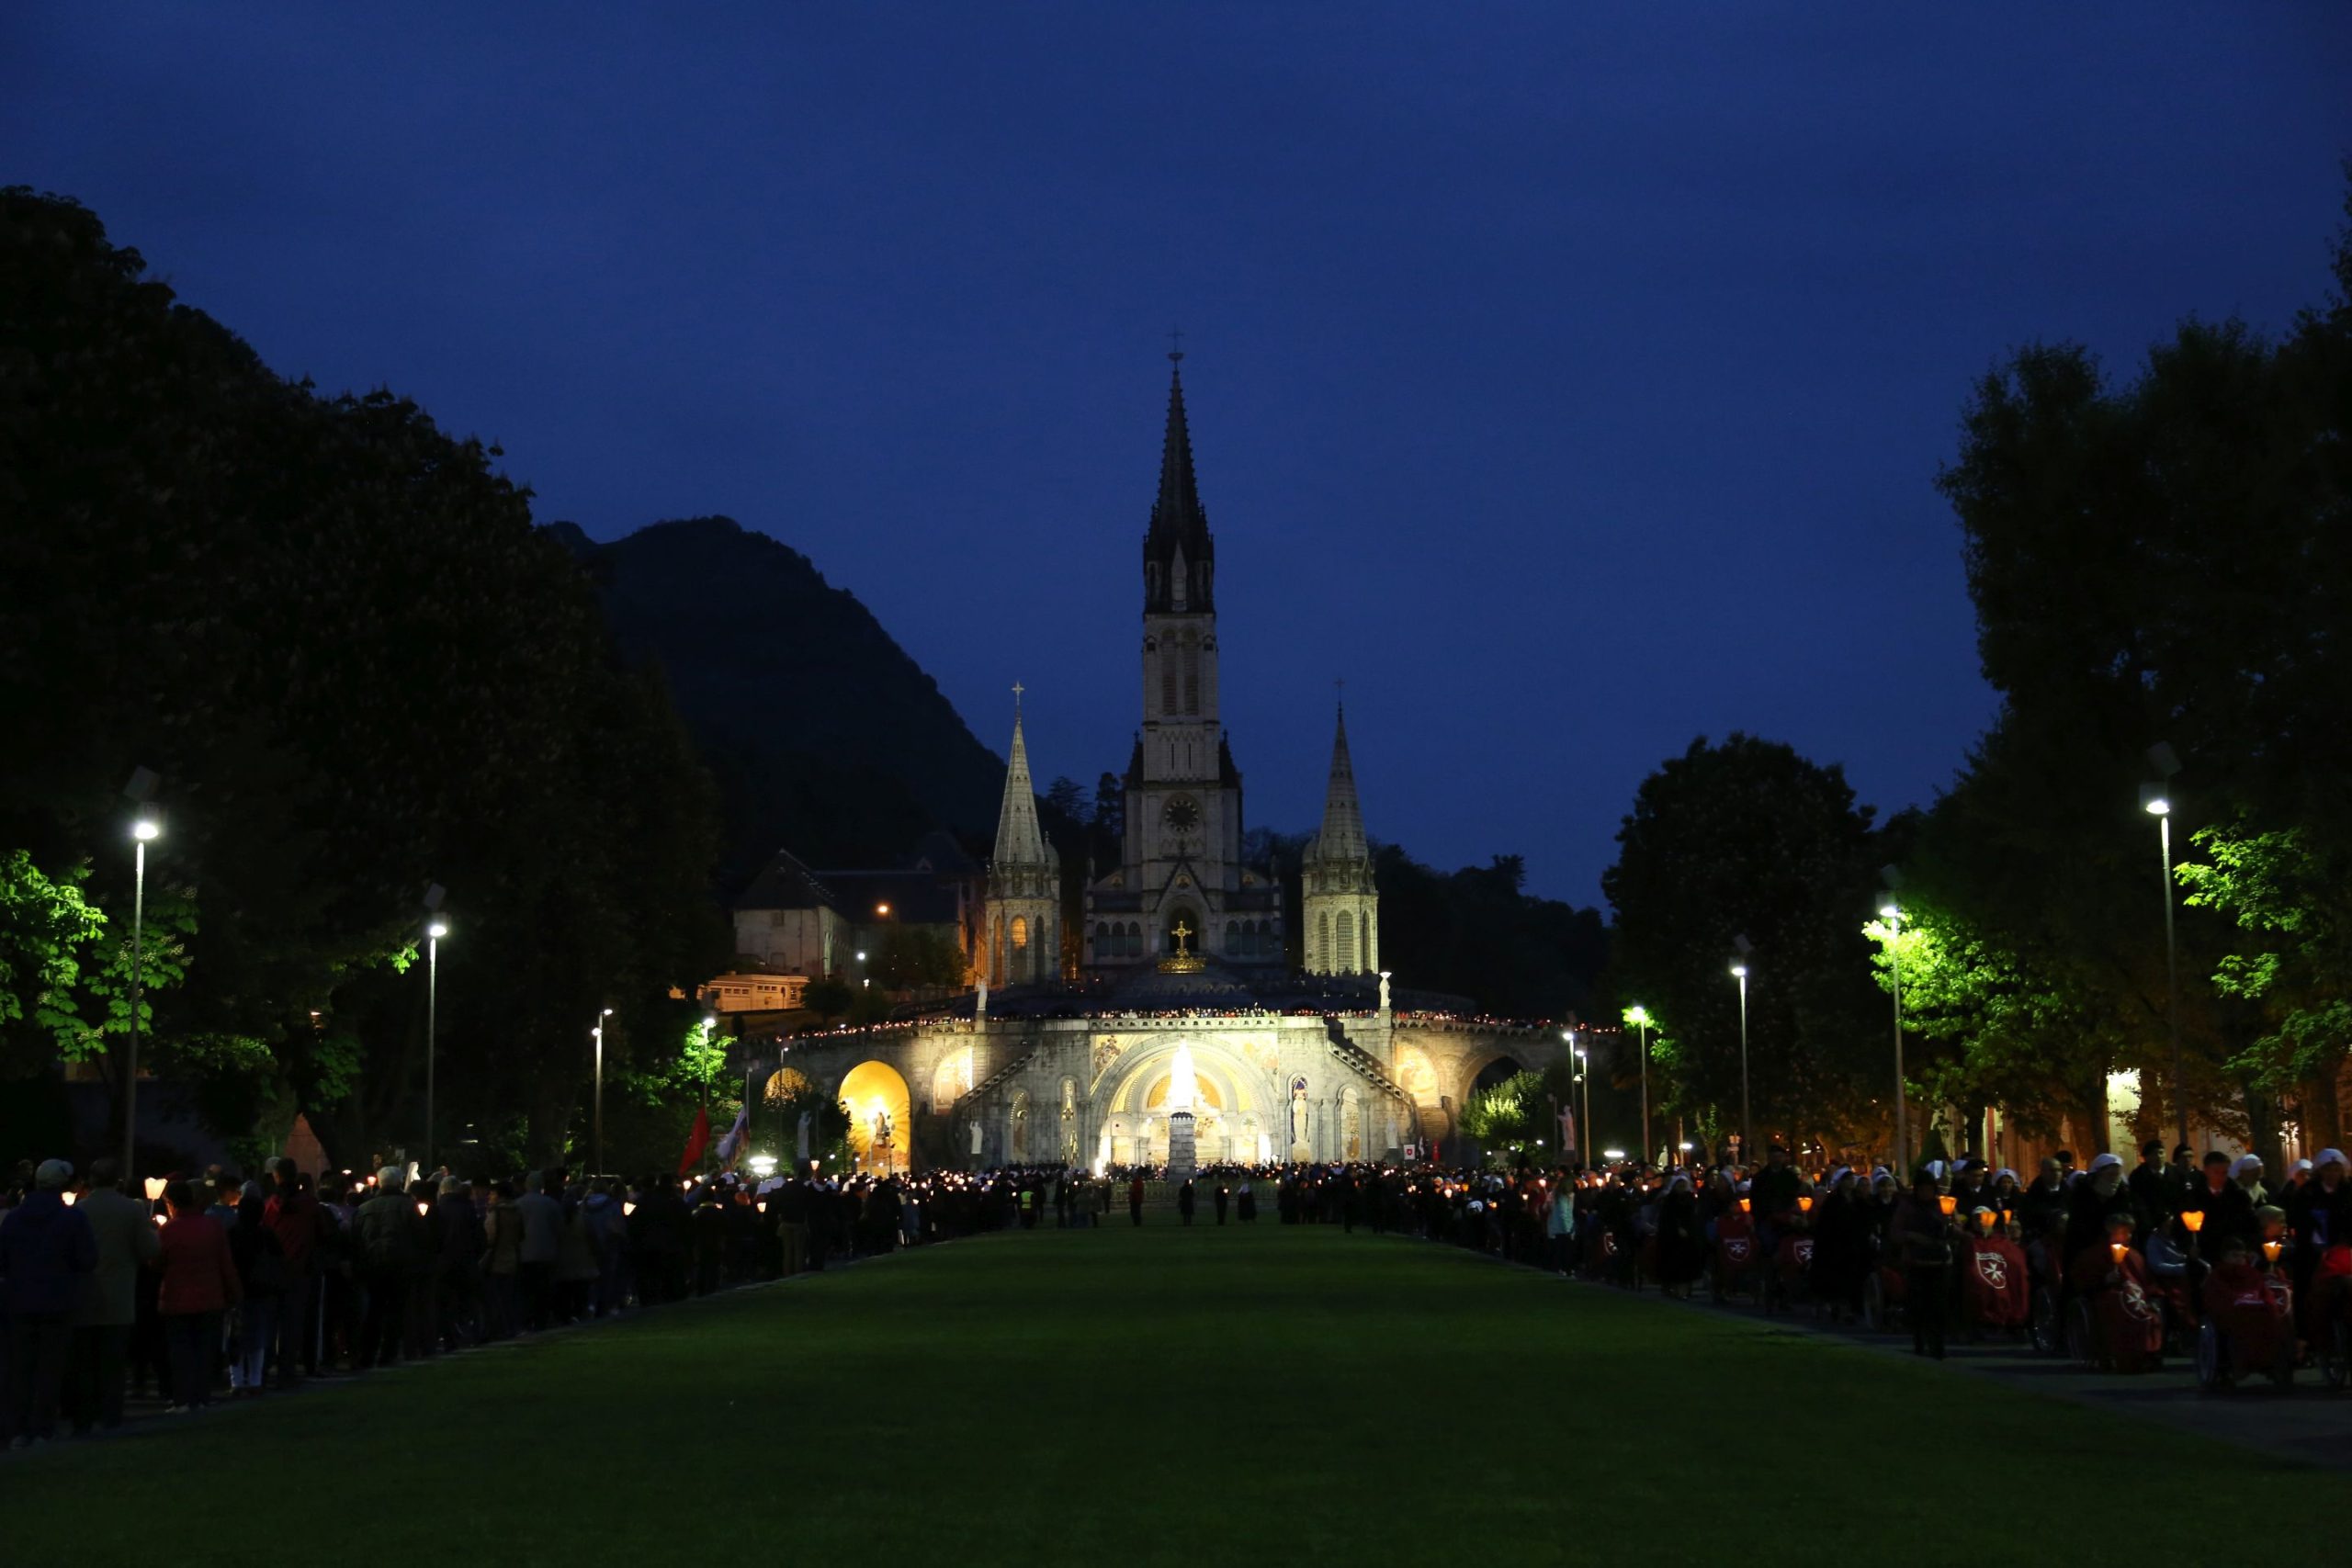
point(1739, 972)
point(596, 1119)
point(2157, 800)
point(1639, 1017)
point(145, 830)
point(1892, 912)
point(1748, 1132)
point(434, 933)
point(1585, 1139)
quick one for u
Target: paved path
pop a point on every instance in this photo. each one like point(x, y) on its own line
point(2306, 1423)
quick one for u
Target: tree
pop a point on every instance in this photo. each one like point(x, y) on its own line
point(1749, 839)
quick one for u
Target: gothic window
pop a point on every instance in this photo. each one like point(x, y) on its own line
point(1020, 931)
point(1167, 684)
point(1347, 960)
point(1134, 940)
point(1192, 674)
point(1232, 938)
point(1323, 942)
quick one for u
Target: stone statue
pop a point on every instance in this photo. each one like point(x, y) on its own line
point(1298, 1113)
point(1383, 990)
point(975, 1125)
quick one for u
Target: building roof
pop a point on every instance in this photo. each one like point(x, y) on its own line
point(1341, 836)
point(1019, 840)
point(1179, 534)
point(785, 883)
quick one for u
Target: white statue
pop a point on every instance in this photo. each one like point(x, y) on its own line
point(976, 1135)
point(1383, 990)
point(1298, 1113)
point(1182, 1088)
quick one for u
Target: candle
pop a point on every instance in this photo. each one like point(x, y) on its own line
point(1743, 1205)
point(2194, 1219)
point(156, 1185)
point(1984, 1220)
point(1948, 1203)
point(69, 1198)
point(2270, 1252)
point(1804, 1203)
point(628, 1209)
point(2116, 1250)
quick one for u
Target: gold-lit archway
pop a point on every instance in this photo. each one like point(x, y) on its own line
point(785, 1084)
point(879, 1108)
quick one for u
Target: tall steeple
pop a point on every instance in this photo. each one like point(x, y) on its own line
point(1340, 899)
point(1019, 840)
point(1020, 916)
point(1178, 553)
point(1342, 835)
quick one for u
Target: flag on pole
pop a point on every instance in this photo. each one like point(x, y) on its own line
point(737, 1136)
point(696, 1141)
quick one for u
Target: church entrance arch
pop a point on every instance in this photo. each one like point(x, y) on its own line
point(879, 1109)
point(1228, 1097)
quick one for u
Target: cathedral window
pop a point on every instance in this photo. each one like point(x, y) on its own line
point(1323, 942)
point(1233, 938)
point(1192, 675)
point(1346, 959)
point(1167, 684)
point(1020, 931)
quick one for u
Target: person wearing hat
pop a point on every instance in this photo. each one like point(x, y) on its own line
point(2231, 1216)
point(2096, 1201)
point(46, 1251)
point(2319, 1213)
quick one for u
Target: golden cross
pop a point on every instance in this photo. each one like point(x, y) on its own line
point(1181, 931)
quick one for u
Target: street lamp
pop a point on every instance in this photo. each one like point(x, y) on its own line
point(2156, 799)
point(435, 927)
point(597, 1122)
point(1892, 913)
point(1583, 1077)
point(1639, 1017)
point(1739, 972)
point(145, 829)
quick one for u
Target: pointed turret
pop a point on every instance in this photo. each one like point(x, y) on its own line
point(1340, 900)
point(1020, 918)
point(1342, 835)
point(1019, 840)
point(1179, 555)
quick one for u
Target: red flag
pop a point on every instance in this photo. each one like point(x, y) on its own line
point(696, 1141)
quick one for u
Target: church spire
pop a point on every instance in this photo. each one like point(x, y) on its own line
point(1019, 840)
point(1178, 553)
point(1342, 835)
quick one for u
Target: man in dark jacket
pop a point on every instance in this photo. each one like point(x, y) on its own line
point(127, 1240)
point(2155, 1187)
point(388, 1235)
point(46, 1248)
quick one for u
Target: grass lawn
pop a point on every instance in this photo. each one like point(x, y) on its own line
point(1205, 1396)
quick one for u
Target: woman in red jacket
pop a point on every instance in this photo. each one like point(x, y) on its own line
point(200, 1283)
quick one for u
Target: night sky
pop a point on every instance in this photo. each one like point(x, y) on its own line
point(1570, 379)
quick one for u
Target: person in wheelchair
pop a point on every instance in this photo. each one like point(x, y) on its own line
point(2116, 1322)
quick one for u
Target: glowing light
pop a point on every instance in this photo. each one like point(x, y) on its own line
point(437, 930)
point(145, 830)
point(1804, 1203)
point(2157, 805)
point(1181, 1088)
point(2116, 1250)
point(156, 1185)
point(1948, 1203)
point(2194, 1219)
point(69, 1198)
point(628, 1208)
point(2271, 1251)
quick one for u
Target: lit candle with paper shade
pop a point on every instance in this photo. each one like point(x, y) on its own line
point(1743, 1205)
point(2271, 1251)
point(69, 1195)
point(423, 1208)
point(628, 1209)
point(2194, 1219)
point(2116, 1250)
point(159, 1222)
point(1804, 1203)
point(1948, 1203)
point(156, 1185)
point(1984, 1221)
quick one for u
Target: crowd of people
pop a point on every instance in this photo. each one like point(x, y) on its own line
point(199, 1288)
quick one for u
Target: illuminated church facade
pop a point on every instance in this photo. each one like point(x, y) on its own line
point(1186, 1036)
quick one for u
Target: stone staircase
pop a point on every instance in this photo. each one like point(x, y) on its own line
point(1363, 1062)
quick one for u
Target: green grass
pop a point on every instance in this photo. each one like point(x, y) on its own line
point(1198, 1396)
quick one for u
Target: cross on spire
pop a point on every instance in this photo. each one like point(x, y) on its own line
point(1175, 346)
point(1017, 689)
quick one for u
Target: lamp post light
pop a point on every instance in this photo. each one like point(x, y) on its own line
point(1892, 913)
point(596, 1121)
point(434, 933)
point(1739, 972)
point(1639, 1017)
point(144, 830)
point(2156, 801)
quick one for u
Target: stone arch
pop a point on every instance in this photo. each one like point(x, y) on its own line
point(784, 1084)
point(953, 1078)
point(1416, 1074)
point(1351, 1127)
point(878, 1102)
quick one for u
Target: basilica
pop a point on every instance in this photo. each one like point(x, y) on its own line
point(1186, 1035)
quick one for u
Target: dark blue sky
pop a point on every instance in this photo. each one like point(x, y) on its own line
point(1571, 379)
